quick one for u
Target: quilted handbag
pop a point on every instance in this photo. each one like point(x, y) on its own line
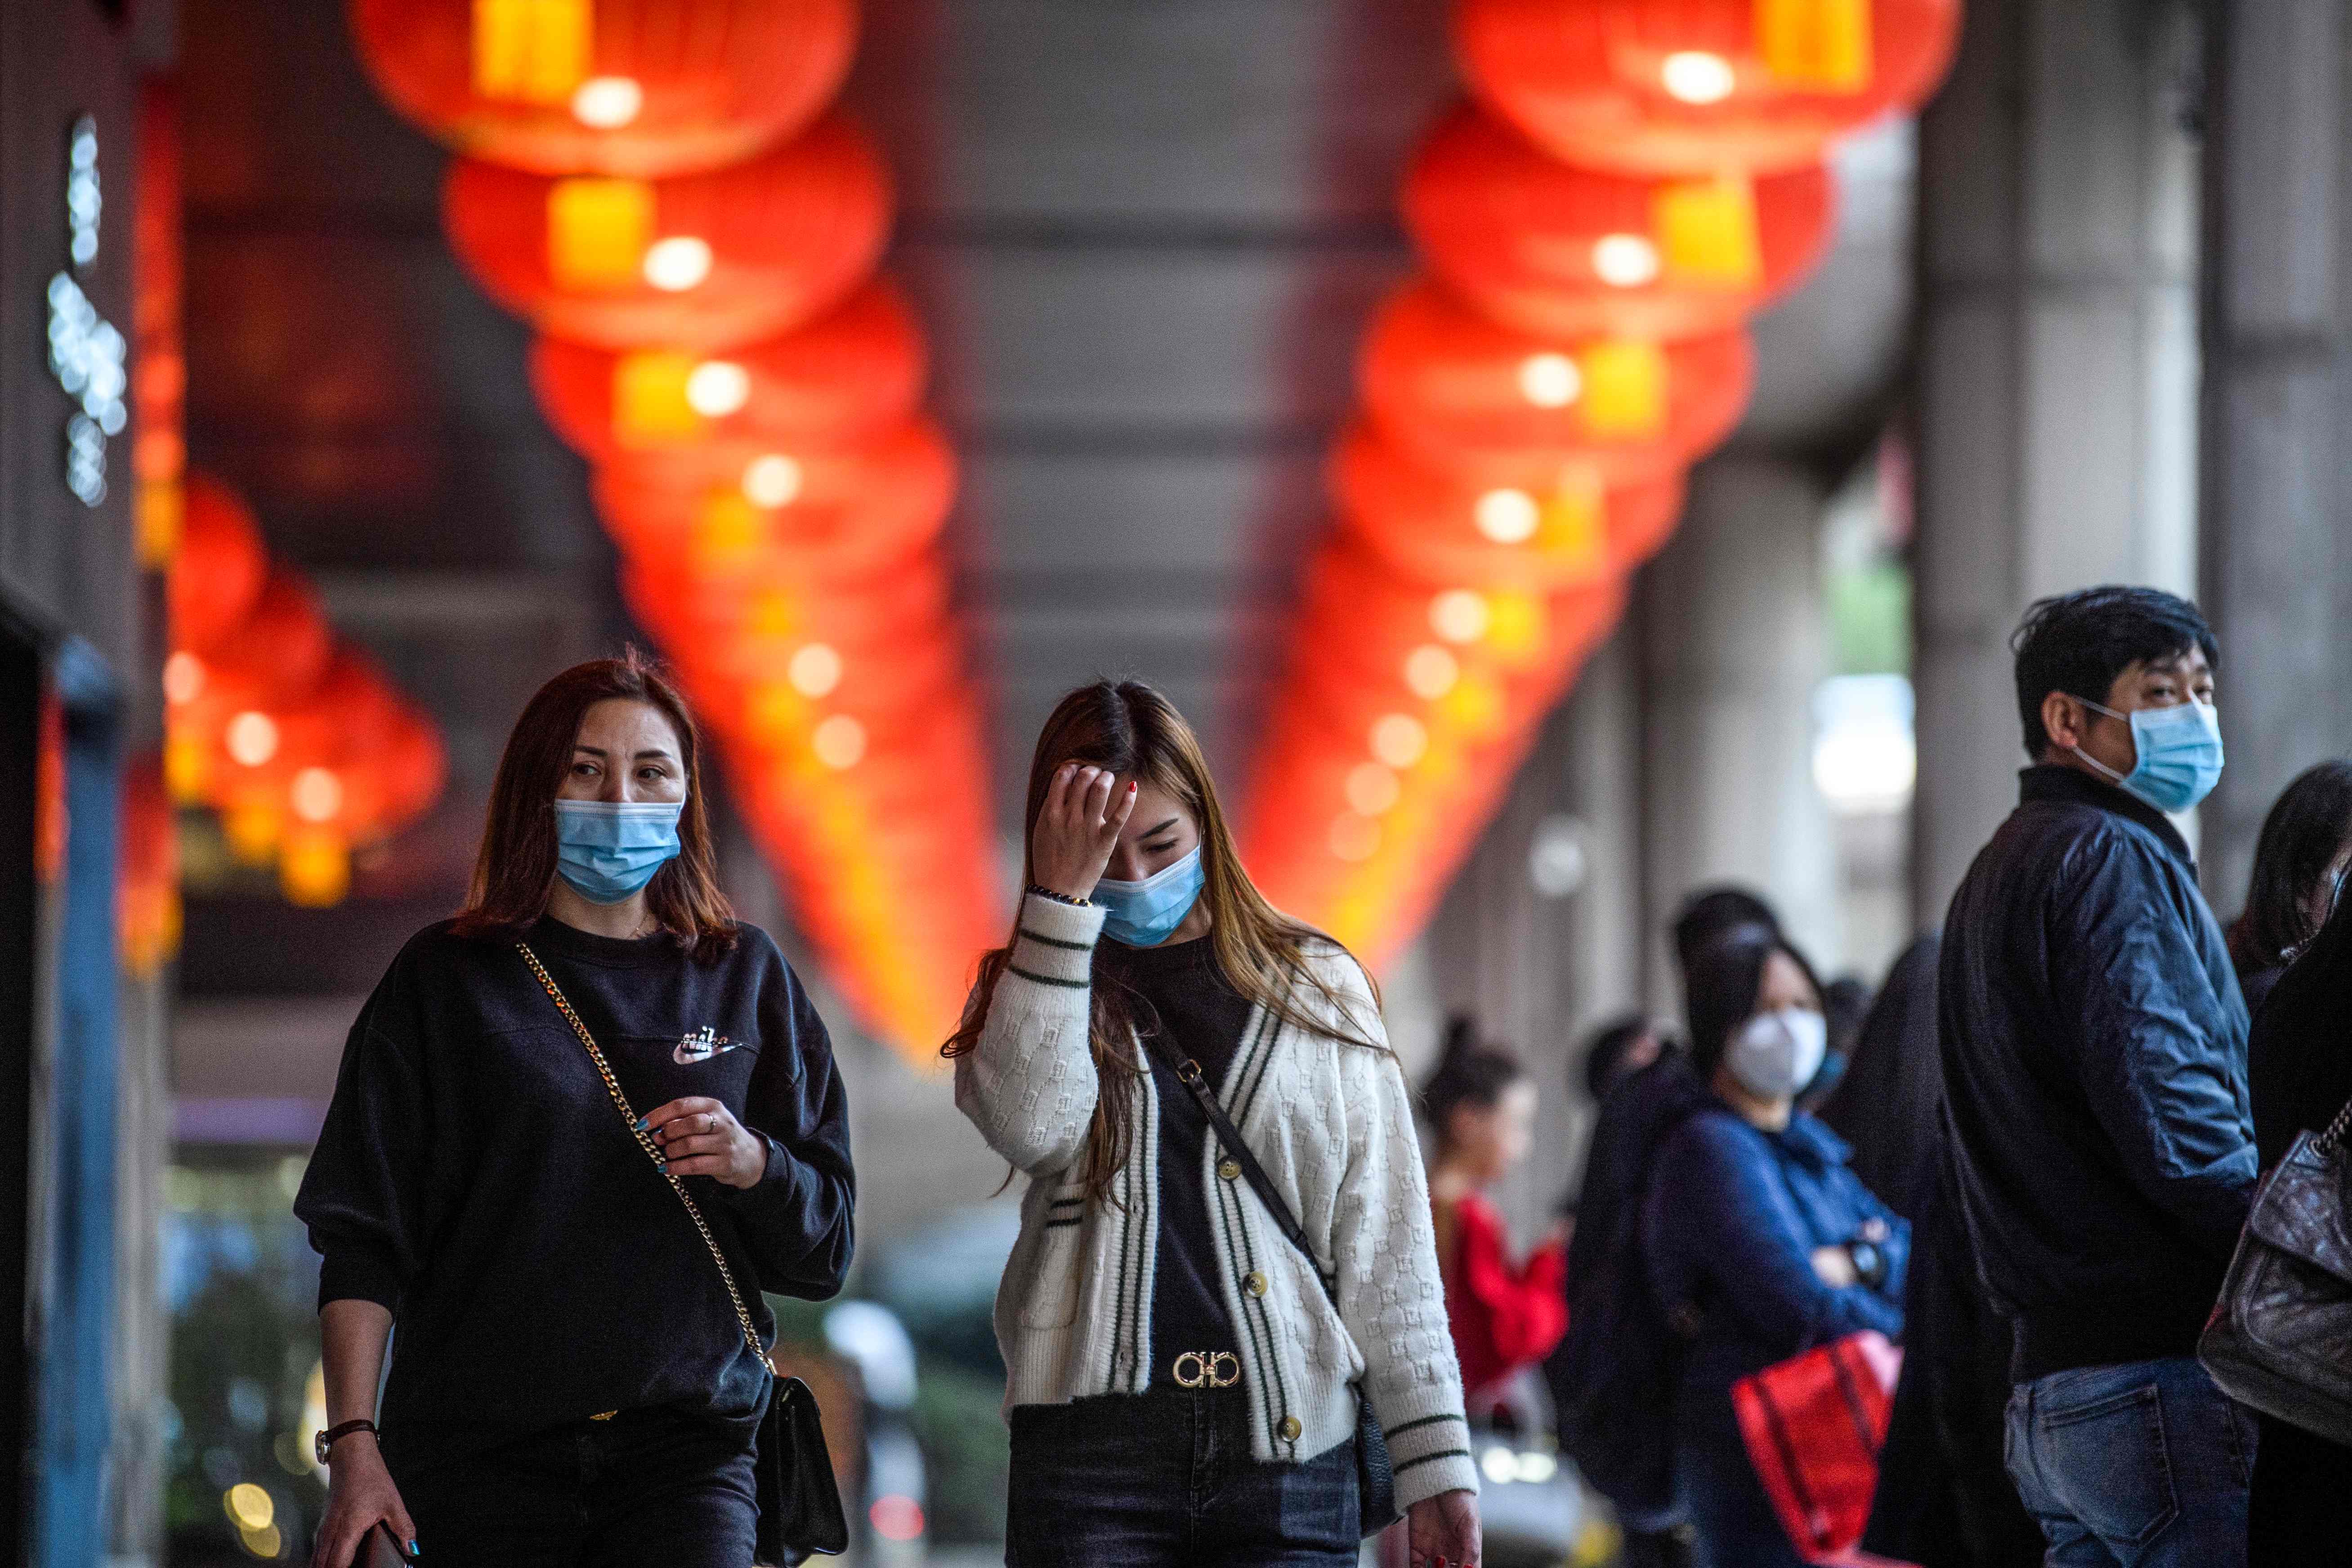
point(2280, 1339)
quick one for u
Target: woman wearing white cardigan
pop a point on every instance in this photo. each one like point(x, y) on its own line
point(1182, 1386)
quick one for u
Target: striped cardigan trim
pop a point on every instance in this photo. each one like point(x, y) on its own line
point(1046, 979)
point(1058, 941)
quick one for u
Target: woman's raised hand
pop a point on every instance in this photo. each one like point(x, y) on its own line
point(1076, 828)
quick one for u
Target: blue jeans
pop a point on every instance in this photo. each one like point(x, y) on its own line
point(1166, 1479)
point(2140, 1465)
point(647, 1486)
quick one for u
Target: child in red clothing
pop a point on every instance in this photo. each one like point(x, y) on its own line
point(1504, 1316)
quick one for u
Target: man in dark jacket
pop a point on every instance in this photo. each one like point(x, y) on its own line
point(2094, 1055)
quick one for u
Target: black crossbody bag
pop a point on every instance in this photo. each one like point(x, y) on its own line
point(800, 1502)
point(1375, 1475)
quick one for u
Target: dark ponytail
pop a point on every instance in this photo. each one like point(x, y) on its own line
point(1467, 1073)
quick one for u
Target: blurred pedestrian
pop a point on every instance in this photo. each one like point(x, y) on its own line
point(1707, 913)
point(1177, 1369)
point(2299, 862)
point(1615, 1373)
point(576, 1384)
point(2301, 1075)
point(1846, 1003)
point(1759, 1240)
point(1945, 1499)
point(1891, 1095)
point(1505, 1315)
point(2094, 1045)
point(1619, 1049)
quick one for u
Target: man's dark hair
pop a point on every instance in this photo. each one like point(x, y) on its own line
point(2078, 643)
point(1709, 912)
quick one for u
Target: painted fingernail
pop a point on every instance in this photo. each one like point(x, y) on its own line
point(411, 1549)
point(641, 1125)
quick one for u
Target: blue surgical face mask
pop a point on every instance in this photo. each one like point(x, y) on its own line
point(1145, 913)
point(607, 849)
point(2179, 750)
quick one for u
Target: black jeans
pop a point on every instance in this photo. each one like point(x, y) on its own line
point(1165, 1479)
point(645, 1487)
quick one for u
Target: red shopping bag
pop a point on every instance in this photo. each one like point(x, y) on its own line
point(1813, 1426)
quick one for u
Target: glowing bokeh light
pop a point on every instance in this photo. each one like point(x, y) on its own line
point(607, 102)
point(1624, 261)
point(1695, 76)
point(677, 264)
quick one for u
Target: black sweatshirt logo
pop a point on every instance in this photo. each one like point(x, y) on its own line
point(701, 1046)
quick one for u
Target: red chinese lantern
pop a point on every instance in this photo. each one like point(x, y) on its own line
point(1564, 252)
point(279, 754)
point(217, 575)
point(1456, 388)
point(1666, 87)
point(642, 87)
point(700, 263)
point(844, 513)
point(1542, 524)
point(1407, 641)
point(271, 659)
point(837, 381)
point(768, 598)
point(779, 689)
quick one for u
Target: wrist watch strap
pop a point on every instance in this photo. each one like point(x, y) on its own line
point(333, 1435)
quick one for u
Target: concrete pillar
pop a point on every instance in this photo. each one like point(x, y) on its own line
point(2056, 395)
point(1540, 935)
point(2278, 346)
point(1734, 642)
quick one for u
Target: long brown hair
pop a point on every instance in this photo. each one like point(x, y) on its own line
point(516, 866)
point(1133, 730)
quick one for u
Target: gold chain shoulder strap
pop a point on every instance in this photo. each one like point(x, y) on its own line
point(645, 1141)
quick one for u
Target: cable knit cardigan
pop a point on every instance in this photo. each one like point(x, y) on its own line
point(1333, 1126)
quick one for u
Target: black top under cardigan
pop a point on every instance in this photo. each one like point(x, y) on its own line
point(474, 1177)
point(1186, 998)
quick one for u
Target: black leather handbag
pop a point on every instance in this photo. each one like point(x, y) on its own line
point(2280, 1339)
point(800, 1500)
point(1376, 1507)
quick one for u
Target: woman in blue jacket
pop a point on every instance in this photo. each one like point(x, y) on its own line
point(1760, 1242)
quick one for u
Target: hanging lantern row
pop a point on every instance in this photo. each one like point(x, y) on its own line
point(297, 741)
point(159, 448)
point(1637, 179)
point(657, 187)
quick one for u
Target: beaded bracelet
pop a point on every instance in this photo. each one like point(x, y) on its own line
point(1061, 898)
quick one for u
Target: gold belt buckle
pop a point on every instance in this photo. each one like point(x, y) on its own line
point(1210, 1369)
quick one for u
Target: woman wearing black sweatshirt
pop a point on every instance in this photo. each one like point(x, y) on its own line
point(571, 1384)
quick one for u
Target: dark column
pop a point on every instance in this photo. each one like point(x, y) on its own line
point(2056, 381)
point(2277, 491)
